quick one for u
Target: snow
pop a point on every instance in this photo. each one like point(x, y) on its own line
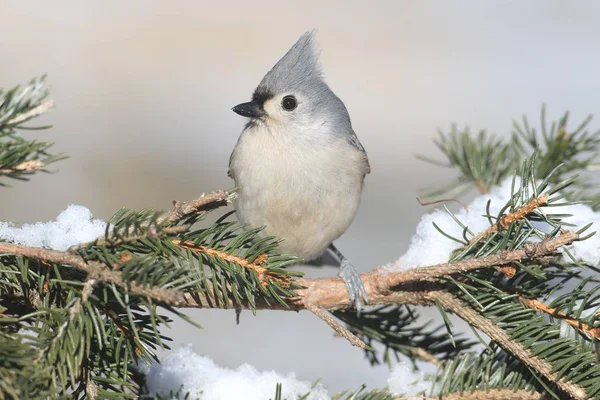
point(184, 369)
point(404, 380)
point(429, 247)
point(72, 226)
point(205, 380)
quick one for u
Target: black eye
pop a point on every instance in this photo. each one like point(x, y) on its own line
point(289, 103)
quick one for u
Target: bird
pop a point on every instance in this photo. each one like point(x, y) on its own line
point(298, 166)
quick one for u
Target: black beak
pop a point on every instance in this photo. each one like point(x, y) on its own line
point(250, 110)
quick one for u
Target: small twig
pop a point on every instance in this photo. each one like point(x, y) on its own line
point(95, 270)
point(24, 167)
point(74, 310)
point(424, 355)
point(34, 112)
point(336, 326)
point(183, 210)
point(262, 272)
point(537, 305)
point(530, 251)
point(504, 221)
point(492, 394)
point(112, 240)
point(180, 211)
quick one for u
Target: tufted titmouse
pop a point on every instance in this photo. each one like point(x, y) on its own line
point(298, 164)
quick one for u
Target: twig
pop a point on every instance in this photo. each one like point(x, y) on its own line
point(24, 167)
point(262, 272)
point(574, 322)
point(74, 310)
point(492, 394)
point(113, 240)
point(182, 210)
point(34, 112)
point(336, 326)
point(95, 270)
point(424, 355)
point(504, 221)
point(530, 251)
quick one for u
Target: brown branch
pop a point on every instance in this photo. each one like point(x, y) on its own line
point(95, 270)
point(264, 275)
point(34, 112)
point(113, 240)
point(530, 251)
point(384, 287)
point(24, 167)
point(336, 326)
point(499, 335)
point(424, 355)
point(506, 219)
point(182, 210)
point(74, 310)
point(492, 394)
point(574, 322)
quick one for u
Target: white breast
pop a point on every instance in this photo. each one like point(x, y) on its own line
point(304, 192)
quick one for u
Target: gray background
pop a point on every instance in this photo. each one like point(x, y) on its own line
point(144, 89)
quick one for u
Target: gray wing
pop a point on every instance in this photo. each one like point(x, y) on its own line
point(354, 142)
point(229, 174)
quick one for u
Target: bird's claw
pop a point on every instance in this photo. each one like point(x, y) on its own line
point(354, 285)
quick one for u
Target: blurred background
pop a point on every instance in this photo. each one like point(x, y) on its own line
point(143, 93)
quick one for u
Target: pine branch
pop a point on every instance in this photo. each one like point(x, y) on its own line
point(20, 157)
point(501, 337)
point(36, 111)
point(534, 304)
point(506, 219)
point(483, 160)
point(494, 394)
point(325, 293)
point(386, 287)
point(257, 266)
point(95, 271)
point(186, 210)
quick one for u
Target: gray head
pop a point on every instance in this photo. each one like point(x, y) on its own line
point(294, 96)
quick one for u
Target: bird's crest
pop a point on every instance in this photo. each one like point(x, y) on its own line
point(299, 65)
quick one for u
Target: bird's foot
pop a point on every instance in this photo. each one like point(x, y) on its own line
point(354, 285)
